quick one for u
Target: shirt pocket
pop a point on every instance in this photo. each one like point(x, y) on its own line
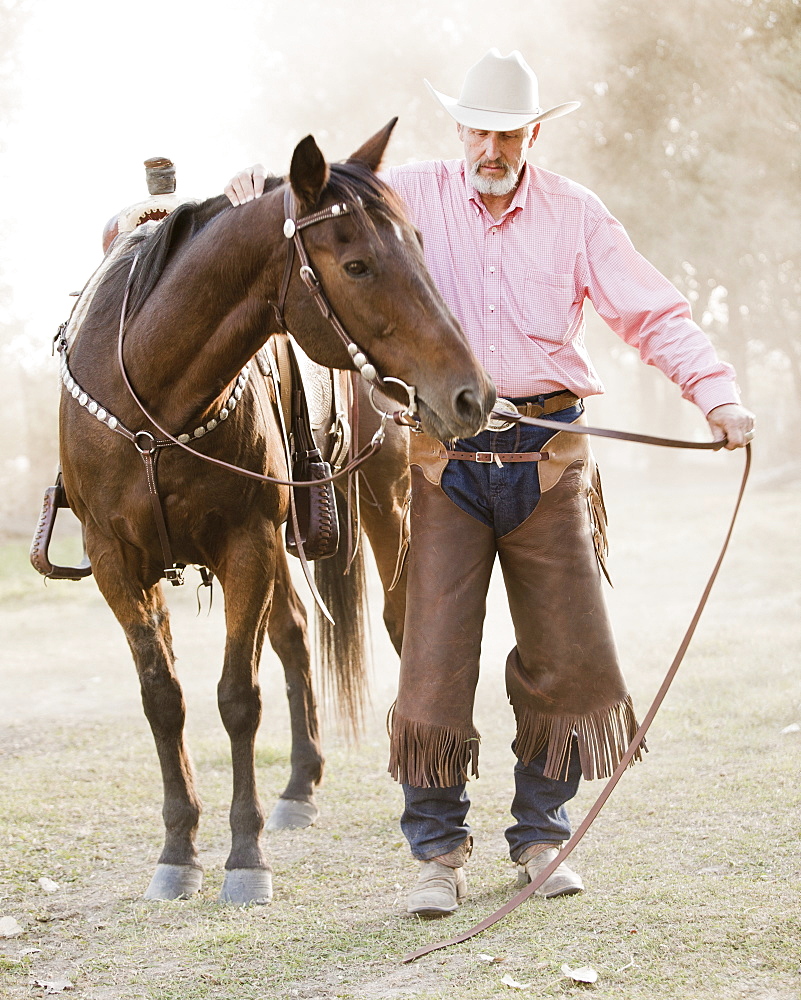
point(548, 301)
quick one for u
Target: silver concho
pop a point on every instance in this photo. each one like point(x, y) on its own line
point(497, 423)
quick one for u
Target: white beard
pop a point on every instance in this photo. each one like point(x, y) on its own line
point(493, 185)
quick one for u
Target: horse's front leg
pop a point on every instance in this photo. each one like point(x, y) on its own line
point(287, 629)
point(144, 617)
point(246, 576)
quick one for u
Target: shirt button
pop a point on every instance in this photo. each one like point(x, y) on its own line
point(492, 270)
point(494, 230)
point(492, 309)
point(492, 347)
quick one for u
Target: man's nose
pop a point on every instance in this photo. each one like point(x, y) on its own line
point(493, 147)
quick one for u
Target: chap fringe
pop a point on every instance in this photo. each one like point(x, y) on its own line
point(603, 738)
point(427, 756)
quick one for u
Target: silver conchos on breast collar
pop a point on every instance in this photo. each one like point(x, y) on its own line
point(113, 423)
point(292, 231)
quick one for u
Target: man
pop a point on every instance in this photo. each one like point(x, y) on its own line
point(515, 250)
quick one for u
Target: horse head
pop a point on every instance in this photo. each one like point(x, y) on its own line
point(369, 261)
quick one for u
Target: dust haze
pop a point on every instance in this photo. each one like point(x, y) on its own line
point(688, 130)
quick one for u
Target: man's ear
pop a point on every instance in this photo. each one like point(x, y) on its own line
point(534, 134)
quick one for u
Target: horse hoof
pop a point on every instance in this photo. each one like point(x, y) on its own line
point(247, 886)
point(175, 882)
point(292, 814)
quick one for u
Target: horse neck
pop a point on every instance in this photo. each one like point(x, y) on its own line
point(210, 311)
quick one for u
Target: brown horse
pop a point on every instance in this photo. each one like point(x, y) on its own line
point(200, 303)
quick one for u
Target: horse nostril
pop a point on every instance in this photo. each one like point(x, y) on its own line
point(468, 406)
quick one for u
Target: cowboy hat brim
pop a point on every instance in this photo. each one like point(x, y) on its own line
point(498, 120)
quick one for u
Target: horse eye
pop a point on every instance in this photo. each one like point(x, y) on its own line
point(356, 267)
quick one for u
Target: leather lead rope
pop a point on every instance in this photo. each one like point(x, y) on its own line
point(518, 418)
point(639, 736)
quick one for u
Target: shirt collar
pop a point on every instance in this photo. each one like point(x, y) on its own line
point(518, 202)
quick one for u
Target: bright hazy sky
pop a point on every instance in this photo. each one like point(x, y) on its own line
point(98, 94)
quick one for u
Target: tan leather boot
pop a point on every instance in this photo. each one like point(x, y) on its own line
point(563, 882)
point(441, 884)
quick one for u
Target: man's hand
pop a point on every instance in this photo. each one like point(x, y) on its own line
point(733, 422)
point(246, 185)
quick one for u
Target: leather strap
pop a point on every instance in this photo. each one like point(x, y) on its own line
point(551, 404)
point(606, 432)
point(293, 513)
point(636, 741)
point(174, 572)
point(487, 457)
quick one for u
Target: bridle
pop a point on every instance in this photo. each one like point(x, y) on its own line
point(293, 227)
point(148, 445)
point(292, 231)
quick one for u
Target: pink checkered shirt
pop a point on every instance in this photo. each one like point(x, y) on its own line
point(518, 285)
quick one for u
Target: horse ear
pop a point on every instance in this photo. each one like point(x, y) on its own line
point(308, 173)
point(372, 152)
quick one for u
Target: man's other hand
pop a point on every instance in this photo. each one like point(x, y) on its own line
point(733, 422)
point(246, 185)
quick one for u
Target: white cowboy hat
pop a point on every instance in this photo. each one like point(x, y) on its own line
point(500, 93)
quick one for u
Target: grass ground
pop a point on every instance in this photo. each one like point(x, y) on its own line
point(693, 869)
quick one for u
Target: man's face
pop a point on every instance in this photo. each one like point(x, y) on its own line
point(495, 159)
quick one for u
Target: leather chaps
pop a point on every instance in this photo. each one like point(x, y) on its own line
point(562, 676)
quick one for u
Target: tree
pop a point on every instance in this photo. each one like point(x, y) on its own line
point(693, 136)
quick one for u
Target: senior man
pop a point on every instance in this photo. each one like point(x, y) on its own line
point(515, 250)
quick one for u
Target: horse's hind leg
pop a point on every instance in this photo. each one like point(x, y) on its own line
point(385, 490)
point(144, 617)
point(288, 634)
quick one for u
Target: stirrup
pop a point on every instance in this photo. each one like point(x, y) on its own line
point(55, 498)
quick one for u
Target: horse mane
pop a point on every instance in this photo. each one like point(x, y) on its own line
point(351, 181)
point(367, 195)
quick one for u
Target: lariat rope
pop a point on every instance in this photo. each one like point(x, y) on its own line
point(639, 736)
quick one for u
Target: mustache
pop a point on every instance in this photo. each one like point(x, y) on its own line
point(499, 162)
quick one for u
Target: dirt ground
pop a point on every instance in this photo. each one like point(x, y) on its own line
point(82, 797)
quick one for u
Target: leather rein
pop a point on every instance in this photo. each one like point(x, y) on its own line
point(639, 736)
point(292, 231)
point(148, 445)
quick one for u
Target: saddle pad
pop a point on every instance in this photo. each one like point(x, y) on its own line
point(317, 384)
point(81, 307)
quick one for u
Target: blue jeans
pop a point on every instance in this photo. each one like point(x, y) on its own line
point(502, 498)
point(434, 820)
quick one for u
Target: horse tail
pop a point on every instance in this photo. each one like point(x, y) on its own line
point(342, 648)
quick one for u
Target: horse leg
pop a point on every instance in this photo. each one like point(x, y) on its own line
point(144, 617)
point(288, 634)
point(246, 575)
point(385, 491)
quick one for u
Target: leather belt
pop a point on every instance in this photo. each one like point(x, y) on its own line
point(551, 404)
point(487, 457)
point(529, 408)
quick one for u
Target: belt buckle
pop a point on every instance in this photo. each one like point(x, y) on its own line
point(498, 423)
point(484, 457)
